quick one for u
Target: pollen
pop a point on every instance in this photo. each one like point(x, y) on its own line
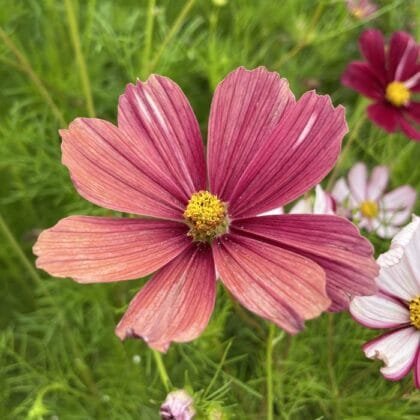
point(397, 93)
point(369, 209)
point(206, 216)
point(415, 312)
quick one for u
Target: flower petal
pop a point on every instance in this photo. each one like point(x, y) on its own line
point(358, 182)
point(299, 153)
point(384, 115)
point(397, 349)
point(112, 170)
point(417, 370)
point(402, 56)
point(176, 304)
point(276, 284)
point(360, 77)
point(102, 249)
point(400, 269)
point(246, 107)
point(158, 115)
point(401, 198)
point(340, 191)
point(372, 47)
point(379, 311)
point(408, 128)
point(377, 182)
point(332, 242)
point(413, 109)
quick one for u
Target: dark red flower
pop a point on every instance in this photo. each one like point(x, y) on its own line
point(390, 78)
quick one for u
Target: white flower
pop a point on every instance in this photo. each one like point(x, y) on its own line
point(364, 200)
point(177, 406)
point(396, 307)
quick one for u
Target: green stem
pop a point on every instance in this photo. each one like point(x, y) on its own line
point(360, 118)
point(161, 369)
point(148, 39)
point(330, 366)
point(172, 32)
point(81, 63)
point(269, 370)
point(24, 65)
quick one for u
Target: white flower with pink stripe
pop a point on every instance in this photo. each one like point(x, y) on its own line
point(396, 307)
point(362, 198)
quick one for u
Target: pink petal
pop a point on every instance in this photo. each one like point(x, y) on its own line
point(276, 284)
point(413, 109)
point(372, 47)
point(417, 370)
point(384, 115)
point(379, 311)
point(112, 170)
point(408, 128)
point(402, 56)
point(377, 182)
point(246, 107)
point(397, 349)
point(360, 77)
point(176, 304)
point(299, 153)
point(102, 249)
point(340, 191)
point(158, 115)
point(399, 199)
point(332, 242)
point(357, 178)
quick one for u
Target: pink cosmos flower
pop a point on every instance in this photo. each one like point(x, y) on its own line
point(396, 307)
point(178, 405)
point(199, 215)
point(390, 78)
point(364, 200)
point(361, 9)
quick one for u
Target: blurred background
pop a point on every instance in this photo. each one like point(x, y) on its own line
point(59, 357)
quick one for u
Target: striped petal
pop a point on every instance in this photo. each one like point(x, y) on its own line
point(397, 349)
point(101, 249)
point(299, 153)
point(158, 115)
point(379, 311)
point(112, 169)
point(176, 304)
point(246, 107)
point(274, 283)
point(330, 241)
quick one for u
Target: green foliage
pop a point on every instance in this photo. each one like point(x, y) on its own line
point(58, 352)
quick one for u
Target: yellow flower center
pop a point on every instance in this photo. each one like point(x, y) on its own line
point(397, 93)
point(369, 209)
point(358, 12)
point(206, 216)
point(415, 312)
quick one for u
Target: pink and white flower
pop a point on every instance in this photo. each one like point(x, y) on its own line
point(178, 405)
point(199, 215)
point(361, 9)
point(363, 199)
point(395, 307)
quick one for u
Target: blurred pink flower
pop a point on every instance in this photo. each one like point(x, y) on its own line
point(202, 213)
point(364, 200)
point(177, 406)
point(396, 307)
point(361, 9)
point(390, 78)
point(321, 203)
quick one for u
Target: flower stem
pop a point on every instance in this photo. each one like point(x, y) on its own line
point(24, 65)
point(269, 370)
point(81, 63)
point(150, 20)
point(172, 32)
point(162, 370)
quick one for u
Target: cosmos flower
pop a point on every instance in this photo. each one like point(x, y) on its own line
point(199, 215)
point(361, 9)
point(390, 78)
point(177, 406)
point(395, 307)
point(364, 200)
